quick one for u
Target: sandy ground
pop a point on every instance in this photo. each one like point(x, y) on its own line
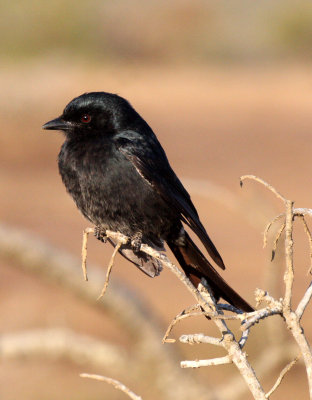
point(215, 124)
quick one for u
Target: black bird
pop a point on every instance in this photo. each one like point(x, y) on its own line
point(120, 179)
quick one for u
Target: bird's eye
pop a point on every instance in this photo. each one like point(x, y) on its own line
point(86, 118)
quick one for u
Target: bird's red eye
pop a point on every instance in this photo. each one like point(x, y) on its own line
point(86, 118)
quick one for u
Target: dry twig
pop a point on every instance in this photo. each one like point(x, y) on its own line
point(109, 269)
point(64, 343)
point(268, 227)
point(281, 376)
point(85, 235)
point(118, 385)
point(291, 317)
point(30, 253)
point(206, 363)
point(207, 303)
point(192, 311)
point(308, 232)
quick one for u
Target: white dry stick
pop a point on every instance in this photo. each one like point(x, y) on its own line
point(266, 184)
point(206, 363)
point(238, 357)
point(198, 338)
point(109, 269)
point(118, 385)
point(277, 238)
point(261, 314)
point(236, 354)
point(281, 376)
point(192, 311)
point(292, 318)
point(289, 271)
point(85, 235)
point(304, 302)
point(309, 235)
point(267, 228)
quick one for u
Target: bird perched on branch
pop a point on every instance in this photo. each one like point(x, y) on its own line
point(120, 179)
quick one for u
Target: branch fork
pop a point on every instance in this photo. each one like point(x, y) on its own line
point(207, 306)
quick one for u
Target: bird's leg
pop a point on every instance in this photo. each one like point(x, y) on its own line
point(136, 241)
point(100, 233)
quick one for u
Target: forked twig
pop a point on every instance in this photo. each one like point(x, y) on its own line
point(193, 311)
point(207, 303)
point(118, 385)
point(261, 314)
point(291, 317)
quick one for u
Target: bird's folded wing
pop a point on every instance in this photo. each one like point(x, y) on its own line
point(150, 160)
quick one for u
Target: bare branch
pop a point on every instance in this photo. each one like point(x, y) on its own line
point(206, 363)
point(264, 183)
point(289, 271)
point(304, 302)
point(188, 312)
point(118, 385)
point(24, 250)
point(235, 353)
point(60, 343)
point(261, 314)
point(229, 307)
point(308, 232)
point(243, 340)
point(278, 235)
point(267, 228)
point(303, 211)
point(109, 268)
point(281, 376)
point(85, 235)
point(198, 338)
point(262, 295)
point(267, 361)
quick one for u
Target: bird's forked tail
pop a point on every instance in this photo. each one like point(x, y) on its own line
point(196, 266)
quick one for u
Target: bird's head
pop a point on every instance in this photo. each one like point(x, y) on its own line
point(96, 113)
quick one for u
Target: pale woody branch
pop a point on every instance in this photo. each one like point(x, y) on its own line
point(304, 302)
point(281, 376)
point(292, 318)
point(200, 338)
point(206, 363)
point(209, 307)
point(118, 385)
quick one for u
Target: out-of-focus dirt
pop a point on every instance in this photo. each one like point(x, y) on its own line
point(215, 124)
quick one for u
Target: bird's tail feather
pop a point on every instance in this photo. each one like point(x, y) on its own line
point(196, 266)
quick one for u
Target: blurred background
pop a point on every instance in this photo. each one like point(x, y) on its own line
point(226, 86)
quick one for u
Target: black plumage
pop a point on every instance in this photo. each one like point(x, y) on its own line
point(118, 175)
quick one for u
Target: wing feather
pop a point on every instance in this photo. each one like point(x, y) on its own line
point(149, 159)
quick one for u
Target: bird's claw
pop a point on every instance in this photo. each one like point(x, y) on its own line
point(100, 234)
point(136, 241)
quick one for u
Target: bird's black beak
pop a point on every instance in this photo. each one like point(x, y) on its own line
point(57, 124)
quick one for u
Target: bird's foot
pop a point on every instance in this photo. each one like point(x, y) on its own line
point(100, 234)
point(136, 241)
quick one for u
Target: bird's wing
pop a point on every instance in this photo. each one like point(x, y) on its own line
point(149, 159)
